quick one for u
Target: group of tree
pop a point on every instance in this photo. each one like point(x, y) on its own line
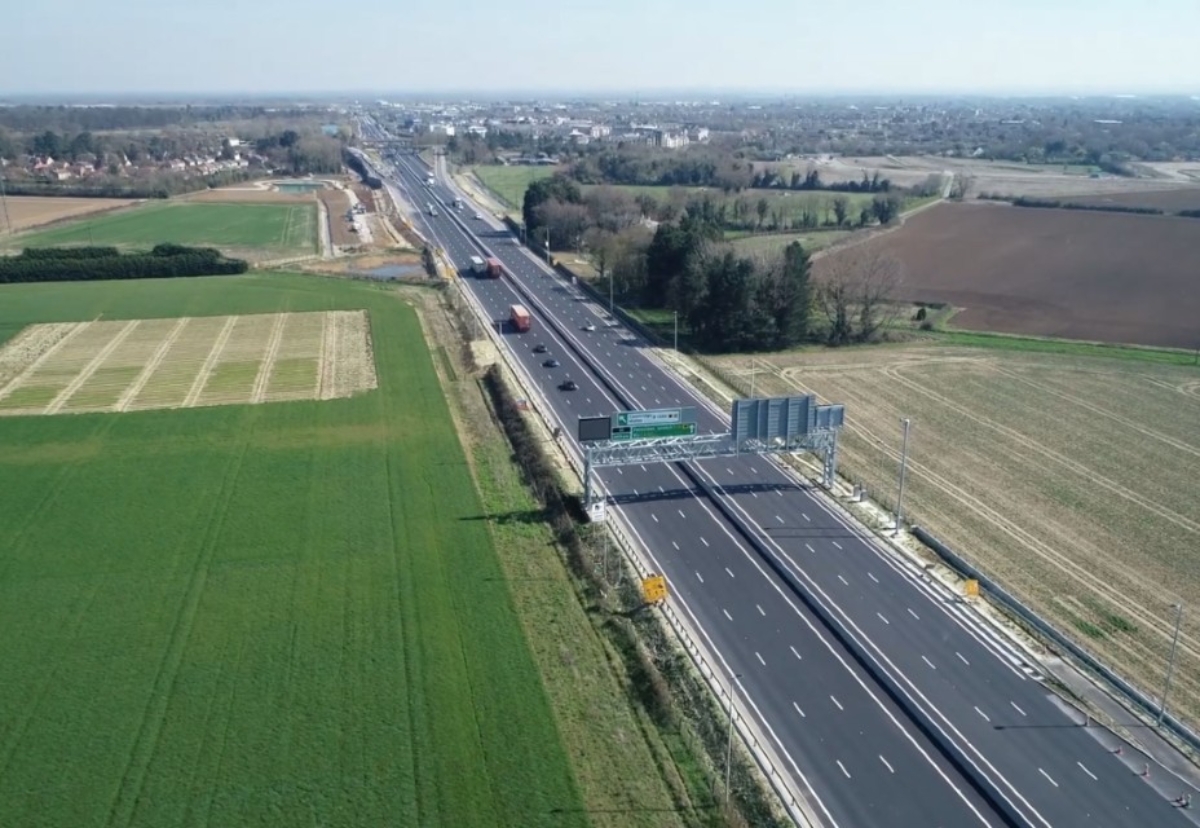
point(63, 264)
point(769, 178)
point(733, 303)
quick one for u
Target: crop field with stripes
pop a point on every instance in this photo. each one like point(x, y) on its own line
point(230, 614)
point(138, 364)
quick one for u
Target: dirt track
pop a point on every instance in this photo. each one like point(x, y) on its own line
point(1075, 274)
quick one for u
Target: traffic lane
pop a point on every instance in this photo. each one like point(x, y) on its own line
point(842, 736)
point(835, 529)
point(950, 672)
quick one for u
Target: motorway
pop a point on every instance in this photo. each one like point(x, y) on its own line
point(891, 704)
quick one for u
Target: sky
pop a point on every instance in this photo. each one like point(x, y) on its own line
point(56, 47)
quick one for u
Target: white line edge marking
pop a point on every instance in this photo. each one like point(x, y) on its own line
point(1048, 776)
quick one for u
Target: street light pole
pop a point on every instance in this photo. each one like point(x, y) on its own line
point(729, 747)
point(676, 331)
point(1162, 707)
point(610, 293)
point(903, 471)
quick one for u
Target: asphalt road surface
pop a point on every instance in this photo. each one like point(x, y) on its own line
point(890, 703)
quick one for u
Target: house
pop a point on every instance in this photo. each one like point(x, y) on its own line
point(599, 131)
point(476, 129)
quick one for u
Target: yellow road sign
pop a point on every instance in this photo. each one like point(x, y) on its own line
point(654, 588)
point(971, 588)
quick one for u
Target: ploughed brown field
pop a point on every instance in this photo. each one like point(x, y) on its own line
point(1108, 277)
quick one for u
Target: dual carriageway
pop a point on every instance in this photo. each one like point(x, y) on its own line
point(888, 702)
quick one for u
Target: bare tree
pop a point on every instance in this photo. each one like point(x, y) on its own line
point(856, 293)
point(566, 223)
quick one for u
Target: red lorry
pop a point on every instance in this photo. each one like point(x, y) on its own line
point(494, 268)
point(520, 318)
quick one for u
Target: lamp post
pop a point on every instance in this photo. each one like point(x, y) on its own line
point(903, 470)
point(610, 293)
point(1162, 707)
point(676, 315)
point(729, 747)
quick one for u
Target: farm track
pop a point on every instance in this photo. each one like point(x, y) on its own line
point(1124, 422)
point(268, 363)
point(135, 387)
point(206, 370)
point(1074, 574)
point(325, 363)
point(1050, 454)
point(83, 376)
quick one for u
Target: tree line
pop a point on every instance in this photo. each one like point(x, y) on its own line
point(68, 264)
point(1059, 204)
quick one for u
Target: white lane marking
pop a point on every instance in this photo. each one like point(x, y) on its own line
point(703, 541)
point(981, 713)
point(808, 546)
point(643, 388)
point(643, 467)
point(779, 492)
point(927, 661)
point(798, 710)
point(662, 490)
point(727, 569)
point(681, 514)
point(796, 654)
point(963, 657)
point(729, 469)
point(843, 767)
point(635, 493)
point(884, 620)
point(701, 577)
point(872, 577)
point(753, 470)
point(1085, 770)
point(760, 610)
point(838, 703)
point(727, 615)
point(654, 516)
point(619, 470)
point(806, 517)
point(913, 614)
point(886, 763)
point(1019, 710)
point(1048, 776)
point(778, 518)
point(843, 580)
point(760, 659)
point(754, 495)
point(673, 543)
point(838, 545)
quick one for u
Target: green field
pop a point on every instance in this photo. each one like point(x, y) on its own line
point(278, 228)
point(286, 614)
point(510, 183)
point(775, 242)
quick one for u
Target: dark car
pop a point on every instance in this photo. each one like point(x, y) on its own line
point(539, 349)
point(568, 385)
point(551, 363)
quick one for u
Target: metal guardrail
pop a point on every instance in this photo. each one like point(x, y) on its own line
point(1010, 603)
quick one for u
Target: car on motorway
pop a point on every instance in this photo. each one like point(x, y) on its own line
point(540, 348)
point(568, 385)
point(589, 327)
point(476, 215)
point(551, 363)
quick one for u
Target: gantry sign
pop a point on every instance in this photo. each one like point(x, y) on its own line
point(776, 425)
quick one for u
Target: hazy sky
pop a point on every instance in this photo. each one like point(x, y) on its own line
point(633, 45)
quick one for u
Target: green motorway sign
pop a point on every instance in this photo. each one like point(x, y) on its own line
point(647, 432)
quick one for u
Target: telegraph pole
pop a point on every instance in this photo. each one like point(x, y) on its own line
point(729, 747)
point(1162, 707)
point(903, 470)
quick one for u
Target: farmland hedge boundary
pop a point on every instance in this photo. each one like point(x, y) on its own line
point(1059, 204)
point(78, 264)
point(660, 678)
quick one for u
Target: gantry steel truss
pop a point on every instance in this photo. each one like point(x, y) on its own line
point(608, 453)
